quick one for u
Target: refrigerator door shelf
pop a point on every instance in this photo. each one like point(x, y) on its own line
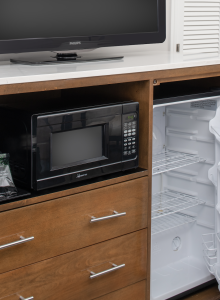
point(210, 260)
point(210, 267)
point(209, 244)
point(217, 272)
point(218, 236)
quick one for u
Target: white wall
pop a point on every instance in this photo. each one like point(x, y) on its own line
point(111, 50)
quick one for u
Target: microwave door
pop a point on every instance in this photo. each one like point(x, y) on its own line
point(71, 147)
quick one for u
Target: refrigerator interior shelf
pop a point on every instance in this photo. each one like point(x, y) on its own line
point(171, 160)
point(170, 222)
point(169, 202)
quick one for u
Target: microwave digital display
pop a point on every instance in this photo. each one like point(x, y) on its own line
point(71, 147)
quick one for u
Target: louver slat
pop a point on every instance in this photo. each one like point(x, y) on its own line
point(201, 28)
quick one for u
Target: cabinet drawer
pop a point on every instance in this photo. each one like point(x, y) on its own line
point(68, 276)
point(135, 291)
point(63, 225)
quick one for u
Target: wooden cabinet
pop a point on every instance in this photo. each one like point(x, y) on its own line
point(135, 291)
point(63, 225)
point(68, 276)
point(57, 264)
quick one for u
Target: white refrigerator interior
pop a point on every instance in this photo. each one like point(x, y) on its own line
point(185, 249)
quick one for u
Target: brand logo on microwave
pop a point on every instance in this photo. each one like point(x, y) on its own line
point(80, 175)
point(75, 43)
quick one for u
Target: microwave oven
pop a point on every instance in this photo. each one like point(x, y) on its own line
point(48, 148)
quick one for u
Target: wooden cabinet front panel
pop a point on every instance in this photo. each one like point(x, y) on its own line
point(135, 291)
point(68, 276)
point(63, 225)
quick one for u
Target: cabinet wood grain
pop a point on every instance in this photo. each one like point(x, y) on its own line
point(63, 225)
point(142, 92)
point(68, 276)
point(135, 291)
point(72, 191)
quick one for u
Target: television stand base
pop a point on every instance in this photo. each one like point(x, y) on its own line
point(62, 58)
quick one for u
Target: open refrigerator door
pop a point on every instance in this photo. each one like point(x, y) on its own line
point(213, 246)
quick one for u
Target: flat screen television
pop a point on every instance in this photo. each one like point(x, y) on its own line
point(65, 25)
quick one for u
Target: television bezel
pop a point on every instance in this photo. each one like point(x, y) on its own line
point(89, 42)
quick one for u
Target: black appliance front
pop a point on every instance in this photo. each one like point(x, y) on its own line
point(81, 144)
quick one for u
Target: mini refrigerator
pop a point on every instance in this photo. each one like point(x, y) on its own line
point(185, 233)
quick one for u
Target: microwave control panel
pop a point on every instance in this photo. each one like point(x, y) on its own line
point(130, 136)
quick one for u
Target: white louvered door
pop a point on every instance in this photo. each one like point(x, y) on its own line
point(195, 29)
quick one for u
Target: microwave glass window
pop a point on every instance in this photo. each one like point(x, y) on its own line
point(70, 147)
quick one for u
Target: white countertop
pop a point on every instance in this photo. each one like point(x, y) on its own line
point(132, 63)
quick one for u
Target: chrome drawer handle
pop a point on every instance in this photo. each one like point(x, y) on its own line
point(115, 215)
point(21, 241)
point(115, 267)
point(30, 298)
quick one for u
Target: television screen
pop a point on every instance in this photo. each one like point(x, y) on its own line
point(28, 19)
point(71, 25)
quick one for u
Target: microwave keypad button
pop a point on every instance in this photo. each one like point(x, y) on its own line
point(129, 144)
point(125, 140)
point(125, 148)
point(129, 140)
point(134, 130)
point(134, 123)
point(129, 130)
point(133, 151)
point(125, 152)
point(125, 135)
point(129, 134)
point(133, 147)
point(125, 125)
point(125, 131)
point(125, 144)
point(129, 148)
point(133, 143)
point(129, 152)
point(133, 139)
point(133, 133)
